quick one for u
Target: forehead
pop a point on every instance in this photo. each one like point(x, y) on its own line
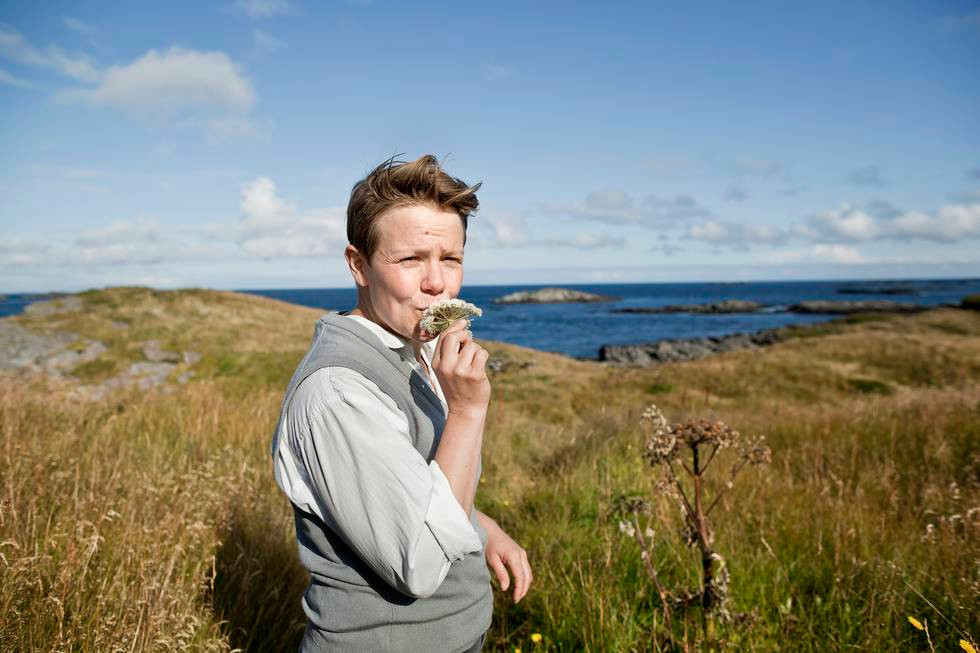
point(419, 224)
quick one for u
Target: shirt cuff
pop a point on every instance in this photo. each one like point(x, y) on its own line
point(448, 523)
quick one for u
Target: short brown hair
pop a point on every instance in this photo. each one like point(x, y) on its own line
point(395, 184)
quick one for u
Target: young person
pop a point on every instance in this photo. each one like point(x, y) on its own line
point(379, 439)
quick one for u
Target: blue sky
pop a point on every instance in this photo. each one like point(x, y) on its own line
point(215, 143)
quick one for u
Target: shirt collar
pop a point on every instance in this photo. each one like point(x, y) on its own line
point(392, 341)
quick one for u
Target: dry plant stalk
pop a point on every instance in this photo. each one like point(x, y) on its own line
point(689, 448)
point(440, 315)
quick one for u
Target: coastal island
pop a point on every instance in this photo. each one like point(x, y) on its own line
point(726, 306)
point(550, 296)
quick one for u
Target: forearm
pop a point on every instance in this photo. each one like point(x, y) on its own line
point(487, 522)
point(458, 454)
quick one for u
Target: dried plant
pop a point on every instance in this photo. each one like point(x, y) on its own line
point(440, 315)
point(684, 452)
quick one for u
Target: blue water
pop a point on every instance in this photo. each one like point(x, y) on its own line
point(580, 329)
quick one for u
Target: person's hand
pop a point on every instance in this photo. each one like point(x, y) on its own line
point(461, 367)
point(503, 553)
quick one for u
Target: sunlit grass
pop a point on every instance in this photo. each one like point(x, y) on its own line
point(150, 521)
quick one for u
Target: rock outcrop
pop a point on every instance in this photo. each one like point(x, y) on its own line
point(726, 306)
point(550, 296)
point(846, 307)
point(682, 349)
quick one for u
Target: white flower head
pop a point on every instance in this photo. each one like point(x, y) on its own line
point(440, 315)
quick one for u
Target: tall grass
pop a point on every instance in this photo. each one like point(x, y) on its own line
point(150, 520)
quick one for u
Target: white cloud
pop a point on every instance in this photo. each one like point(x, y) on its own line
point(263, 8)
point(265, 41)
point(584, 241)
point(511, 230)
point(17, 251)
point(121, 232)
point(176, 82)
point(7, 78)
point(271, 227)
point(837, 254)
point(950, 223)
point(13, 46)
point(819, 253)
point(221, 129)
point(616, 206)
point(846, 223)
point(736, 235)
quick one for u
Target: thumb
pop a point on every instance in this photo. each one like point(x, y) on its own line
point(499, 571)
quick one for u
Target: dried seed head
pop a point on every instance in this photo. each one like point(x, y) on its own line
point(630, 505)
point(661, 446)
point(440, 315)
point(755, 452)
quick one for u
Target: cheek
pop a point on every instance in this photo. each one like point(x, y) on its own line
point(402, 285)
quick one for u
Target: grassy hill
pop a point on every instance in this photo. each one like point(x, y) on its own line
point(146, 518)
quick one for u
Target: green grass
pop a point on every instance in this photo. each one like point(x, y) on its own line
point(870, 386)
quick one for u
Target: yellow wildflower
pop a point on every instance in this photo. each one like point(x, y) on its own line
point(536, 638)
point(967, 646)
point(517, 650)
point(915, 622)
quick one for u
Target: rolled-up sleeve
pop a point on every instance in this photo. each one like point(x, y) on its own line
point(396, 511)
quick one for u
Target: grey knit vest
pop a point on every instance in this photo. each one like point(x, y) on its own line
point(349, 607)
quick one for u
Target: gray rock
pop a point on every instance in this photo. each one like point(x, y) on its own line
point(54, 306)
point(191, 357)
point(146, 375)
point(497, 365)
point(153, 352)
point(67, 360)
point(726, 306)
point(550, 296)
point(867, 306)
point(662, 351)
point(20, 347)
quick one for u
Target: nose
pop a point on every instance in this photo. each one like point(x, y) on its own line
point(434, 279)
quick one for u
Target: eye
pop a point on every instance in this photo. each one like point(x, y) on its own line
point(454, 259)
point(409, 259)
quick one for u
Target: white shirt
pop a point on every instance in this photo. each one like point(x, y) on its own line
point(347, 457)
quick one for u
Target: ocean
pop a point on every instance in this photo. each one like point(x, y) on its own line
point(579, 330)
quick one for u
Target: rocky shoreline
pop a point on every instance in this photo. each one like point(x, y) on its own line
point(684, 349)
point(726, 306)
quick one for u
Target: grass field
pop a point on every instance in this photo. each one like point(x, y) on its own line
point(149, 520)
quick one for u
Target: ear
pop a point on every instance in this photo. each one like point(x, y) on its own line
point(356, 263)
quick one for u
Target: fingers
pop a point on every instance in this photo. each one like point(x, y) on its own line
point(521, 570)
point(451, 342)
point(499, 571)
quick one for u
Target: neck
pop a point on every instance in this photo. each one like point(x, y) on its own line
point(364, 310)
